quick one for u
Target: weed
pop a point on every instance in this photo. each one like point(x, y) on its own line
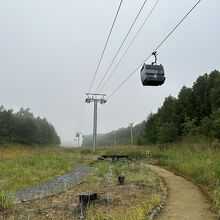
point(86, 151)
point(6, 200)
point(217, 199)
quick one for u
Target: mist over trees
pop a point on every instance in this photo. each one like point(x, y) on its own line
point(194, 113)
point(23, 128)
point(122, 136)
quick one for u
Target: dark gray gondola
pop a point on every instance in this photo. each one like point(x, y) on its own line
point(152, 75)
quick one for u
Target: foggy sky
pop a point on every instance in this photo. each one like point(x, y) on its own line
point(49, 50)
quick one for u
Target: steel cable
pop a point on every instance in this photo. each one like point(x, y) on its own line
point(162, 42)
point(139, 12)
point(139, 30)
point(106, 43)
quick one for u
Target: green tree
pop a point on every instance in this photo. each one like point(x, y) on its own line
point(214, 84)
point(151, 129)
point(201, 98)
point(167, 133)
point(23, 128)
point(215, 120)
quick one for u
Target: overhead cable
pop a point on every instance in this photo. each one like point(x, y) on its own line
point(139, 30)
point(106, 43)
point(132, 25)
point(81, 117)
point(83, 122)
point(99, 109)
point(162, 42)
point(97, 68)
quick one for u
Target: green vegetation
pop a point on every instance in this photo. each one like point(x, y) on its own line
point(139, 212)
point(22, 167)
point(23, 128)
point(194, 114)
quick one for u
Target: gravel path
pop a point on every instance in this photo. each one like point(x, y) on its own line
point(185, 201)
point(55, 185)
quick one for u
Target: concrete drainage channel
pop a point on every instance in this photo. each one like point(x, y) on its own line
point(64, 182)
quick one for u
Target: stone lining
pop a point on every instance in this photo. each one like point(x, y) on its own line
point(156, 210)
point(54, 186)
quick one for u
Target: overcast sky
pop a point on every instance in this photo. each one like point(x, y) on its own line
point(49, 50)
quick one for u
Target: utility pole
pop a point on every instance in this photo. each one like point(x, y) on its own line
point(131, 126)
point(115, 134)
point(78, 137)
point(95, 98)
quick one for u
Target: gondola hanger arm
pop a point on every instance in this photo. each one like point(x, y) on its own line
point(155, 56)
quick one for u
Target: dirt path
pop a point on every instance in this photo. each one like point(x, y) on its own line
point(185, 201)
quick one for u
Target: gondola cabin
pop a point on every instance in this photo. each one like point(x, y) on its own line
point(152, 75)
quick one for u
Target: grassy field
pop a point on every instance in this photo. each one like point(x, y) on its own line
point(22, 167)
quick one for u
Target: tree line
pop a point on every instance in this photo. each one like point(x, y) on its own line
point(194, 113)
point(23, 128)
